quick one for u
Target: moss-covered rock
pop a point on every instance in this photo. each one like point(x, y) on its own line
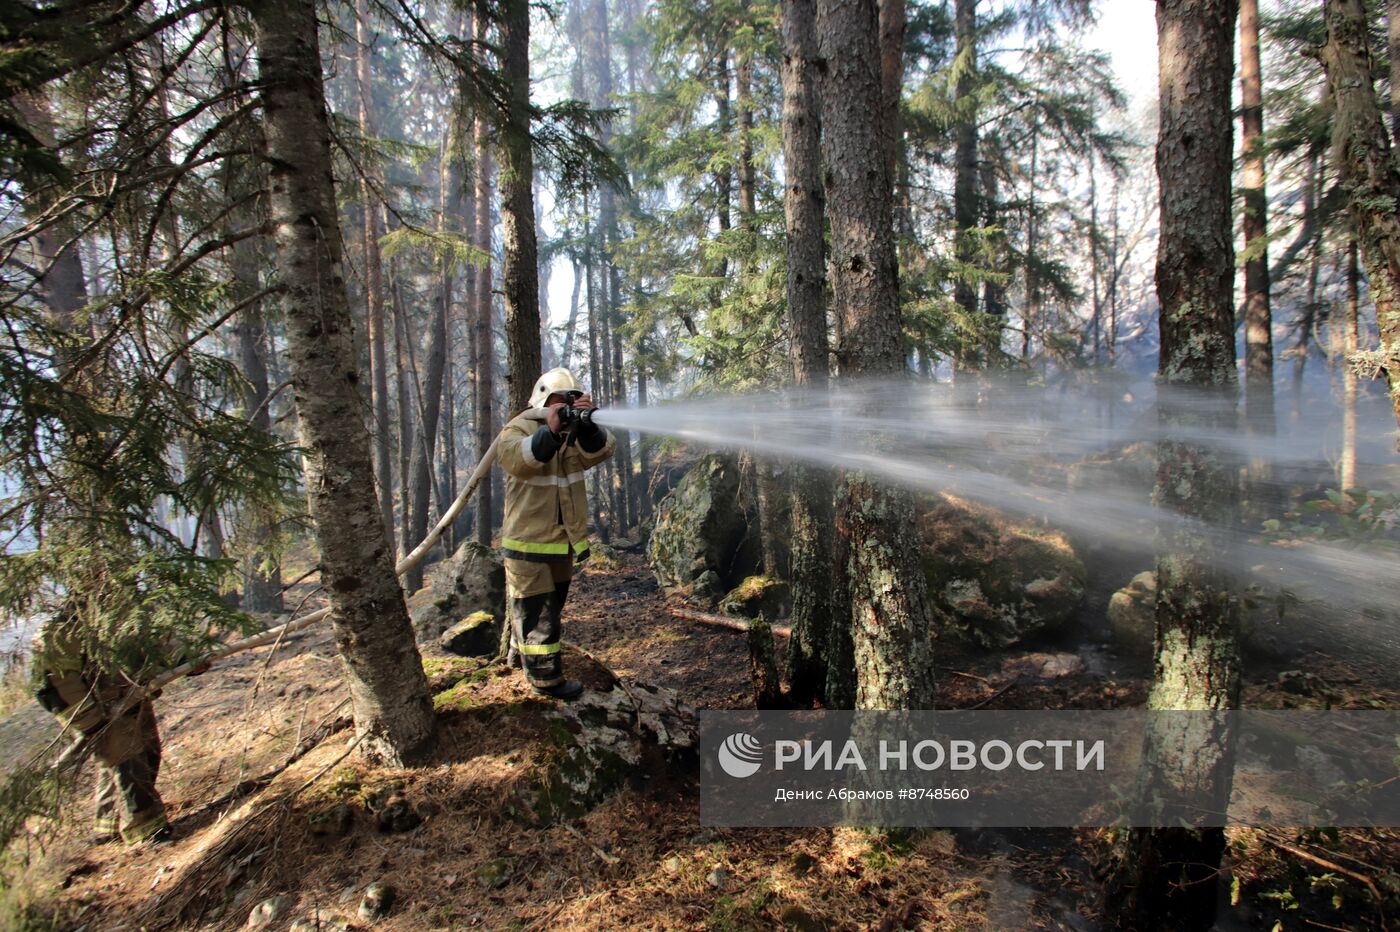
point(758, 597)
point(596, 743)
point(602, 557)
point(1000, 580)
point(1131, 614)
point(477, 635)
point(700, 545)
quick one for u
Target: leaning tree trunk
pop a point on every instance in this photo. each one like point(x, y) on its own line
point(1167, 878)
point(520, 278)
point(812, 529)
point(1362, 158)
point(388, 691)
point(889, 609)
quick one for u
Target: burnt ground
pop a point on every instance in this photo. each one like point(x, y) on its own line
point(250, 827)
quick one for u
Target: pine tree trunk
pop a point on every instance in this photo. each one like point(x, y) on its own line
point(1167, 878)
point(1393, 42)
point(425, 444)
point(1362, 157)
point(388, 691)
point(965, 174)
point(893, 645)
point(811, 558)
point(892, 25)
point(374, 278)
point(262, 589)
point(520, 279)
point(1346, 472)
point(406, 418)
point(482, 373)
point(1258, 320)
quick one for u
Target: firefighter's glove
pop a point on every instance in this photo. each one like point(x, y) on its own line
point(556, 420)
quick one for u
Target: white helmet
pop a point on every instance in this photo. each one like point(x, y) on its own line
point(555, 380)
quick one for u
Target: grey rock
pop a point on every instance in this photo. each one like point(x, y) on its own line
point(269, 911)
point(335, 821)
point(1000, 580)
point(718, 878)
point(599, 745)
point(472, 580)
point(378, 900)
point(758, 597)
point(398, 815)
point(477, 635)
point(700, 544)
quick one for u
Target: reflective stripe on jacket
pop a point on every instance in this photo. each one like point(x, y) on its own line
point(546, 516)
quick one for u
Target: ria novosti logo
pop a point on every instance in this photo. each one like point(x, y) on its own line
point(740, 755)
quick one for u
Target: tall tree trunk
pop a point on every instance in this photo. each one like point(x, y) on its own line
point(520, 278)
point(808, 349)
point(610, 283)
point(1312, 188)
point(1168, 877)
point(425, 446)
point(374, 276)
point(1258, 320)
point(262, 588)
point(892, 25)
point(482, 374)
point(388, 691)
point(1393, 41)
point(1367, 172)
point(1351, 343)
point(965, 174)
point(1096, 316)
point(889, 610)
point(406, 406)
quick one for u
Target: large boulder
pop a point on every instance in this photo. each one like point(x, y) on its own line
point(601, 741)
point(700, 545)
point(1000, 580)
point(472, 580)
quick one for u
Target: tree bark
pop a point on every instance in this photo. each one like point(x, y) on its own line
point(1362, 159)
point(520, 279)
point(965, 174)
point(374, 278)
point(893, 647)
point(388, 691)
point(482, 374)
point(1393, 41)
point(808, 349)
point(1258, 319)
point(1346, 472)
point(1167, 878)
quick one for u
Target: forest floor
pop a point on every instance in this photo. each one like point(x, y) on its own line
point(303, 842)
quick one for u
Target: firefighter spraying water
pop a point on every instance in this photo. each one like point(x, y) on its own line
point(545, 451)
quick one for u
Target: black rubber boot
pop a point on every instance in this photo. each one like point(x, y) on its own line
point(569, 689)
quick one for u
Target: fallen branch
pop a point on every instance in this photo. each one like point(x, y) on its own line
point(1360, 878)
point(725, 621)
point(998, 694)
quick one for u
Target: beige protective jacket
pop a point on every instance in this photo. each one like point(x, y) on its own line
point(546, 513)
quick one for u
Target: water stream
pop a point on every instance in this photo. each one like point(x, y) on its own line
point(1081, 460)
